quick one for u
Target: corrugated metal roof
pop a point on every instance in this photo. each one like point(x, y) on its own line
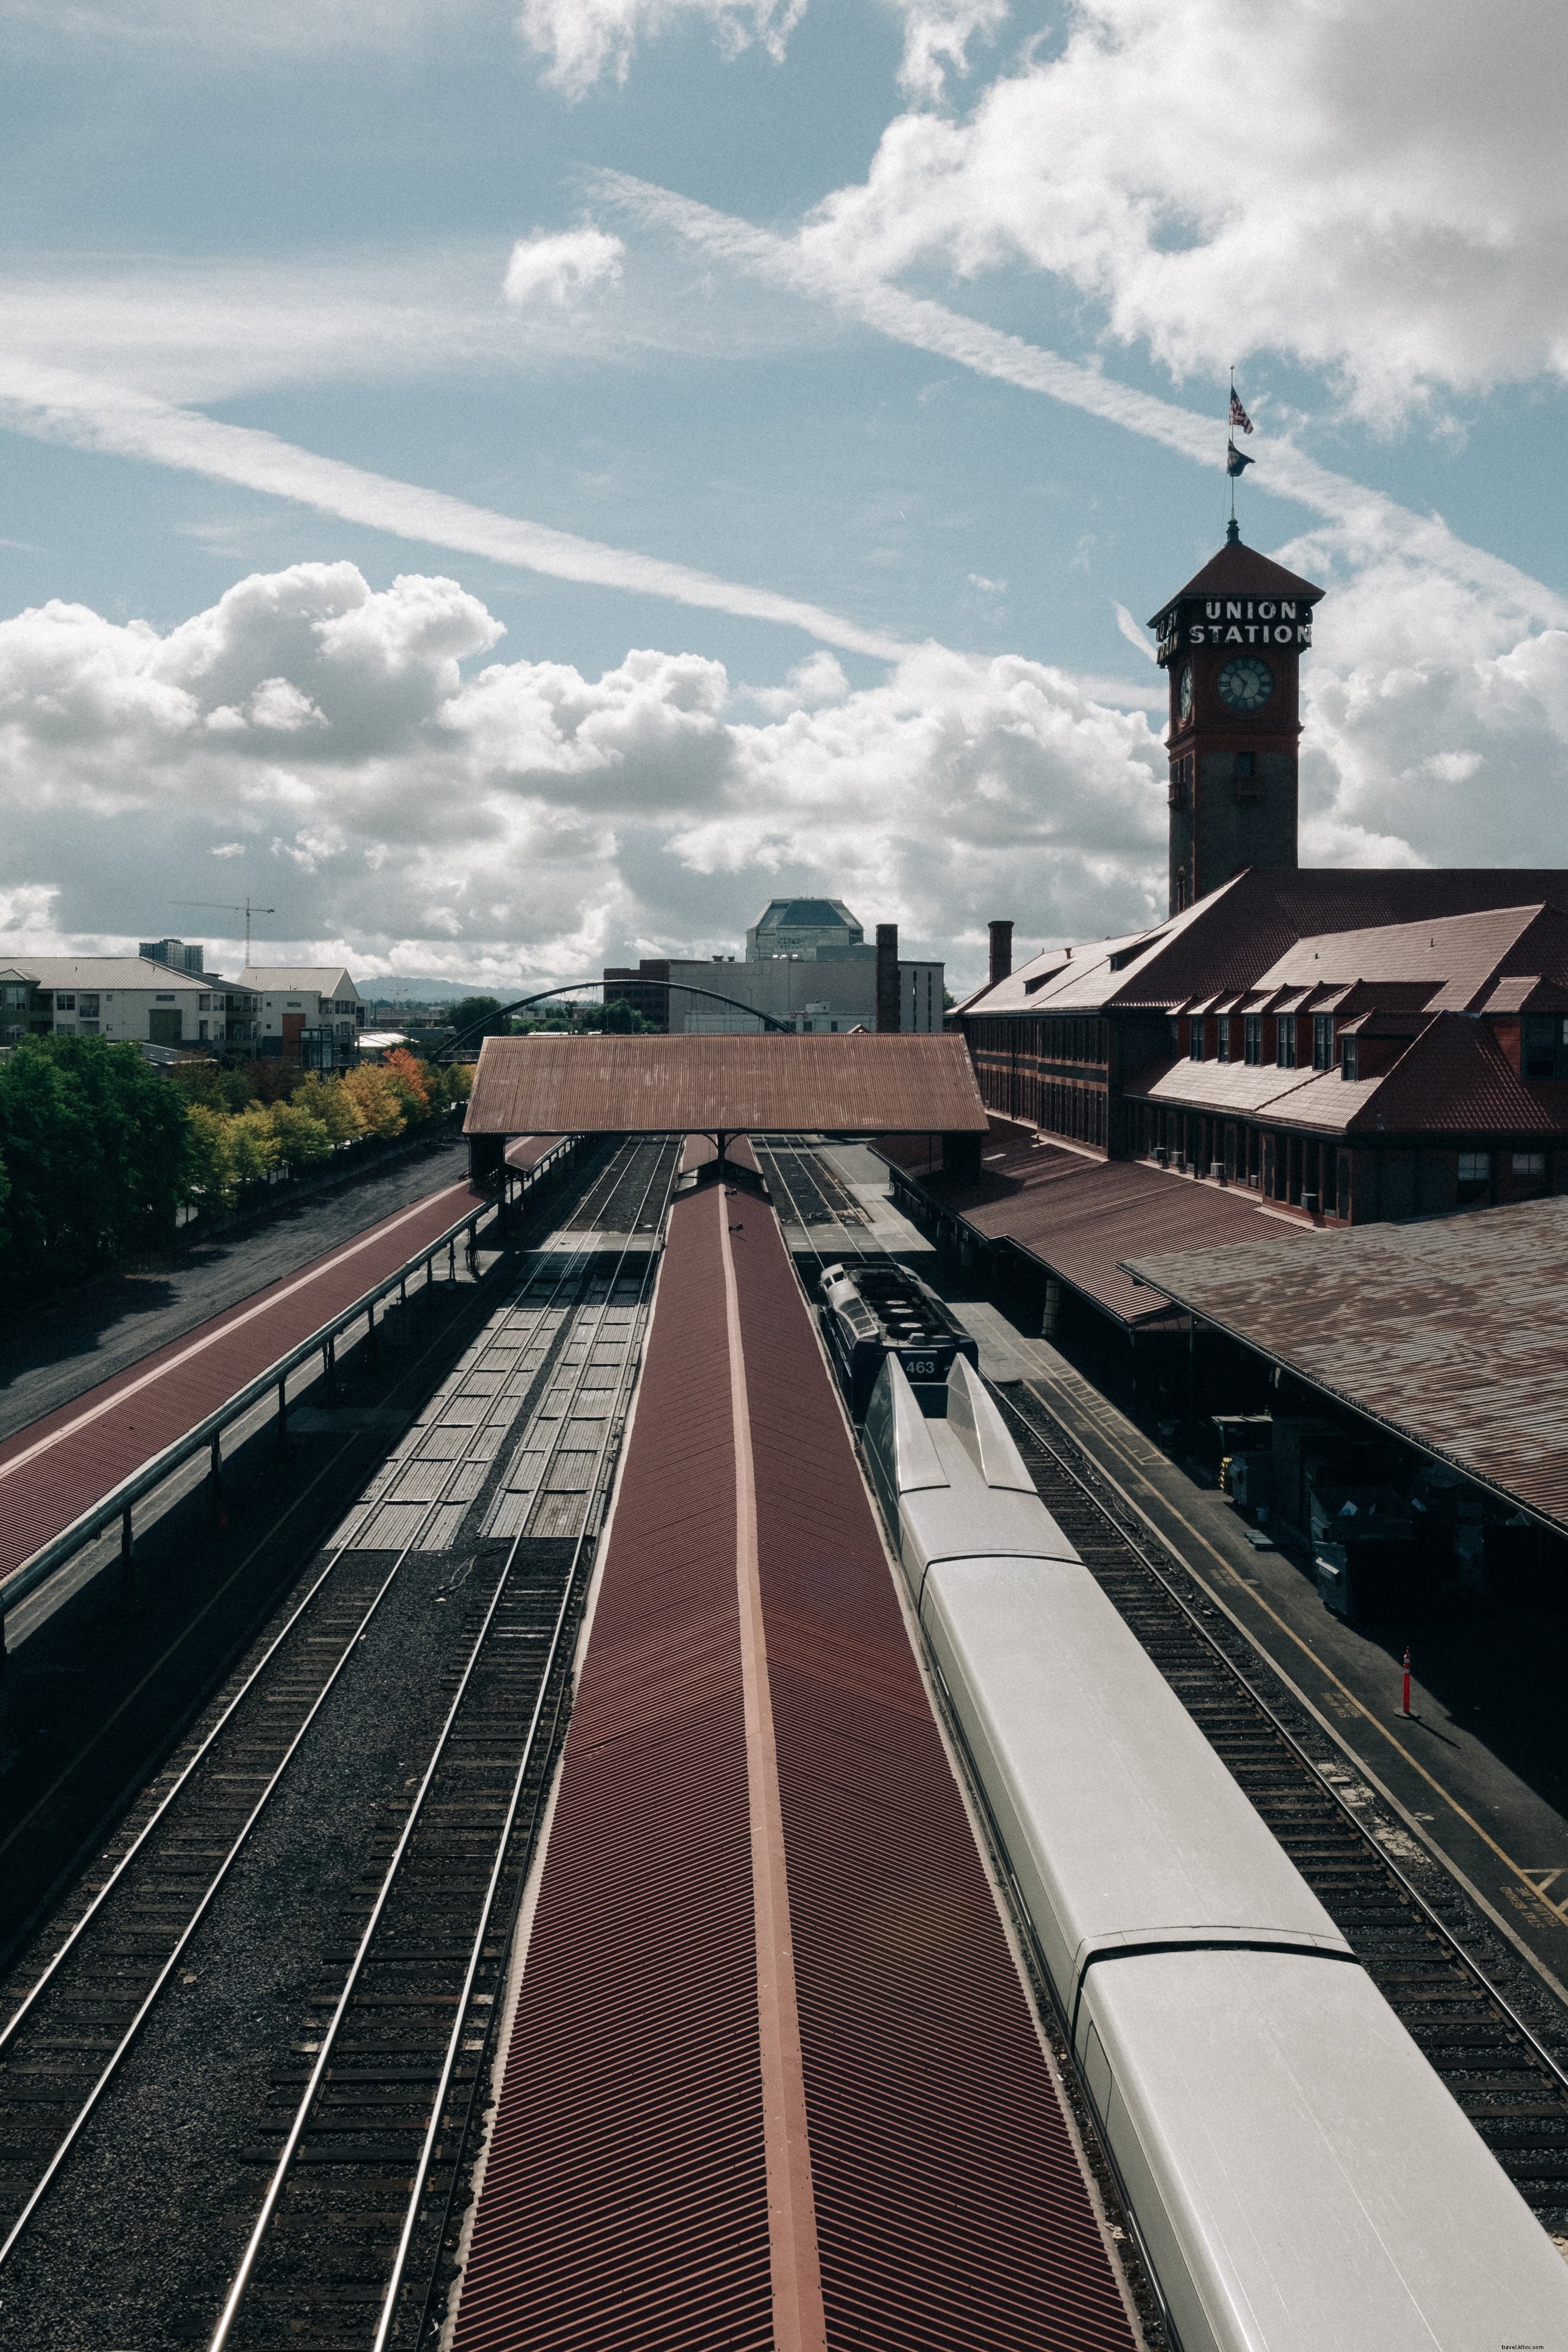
point(599, 1084)
point(1080, 1217)
point(59, 1467)
point(1449, 1331)
point(624, 2206)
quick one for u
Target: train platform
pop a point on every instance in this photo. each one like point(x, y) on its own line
point(54, 1469)
point(771, 2077)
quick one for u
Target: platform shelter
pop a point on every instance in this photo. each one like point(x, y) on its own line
point(723, 1087)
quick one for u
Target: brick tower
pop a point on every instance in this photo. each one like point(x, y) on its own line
point(1231, 641)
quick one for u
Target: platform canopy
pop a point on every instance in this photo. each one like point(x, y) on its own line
point(599, 1084)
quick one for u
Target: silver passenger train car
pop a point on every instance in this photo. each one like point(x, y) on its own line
point(1300, 2177)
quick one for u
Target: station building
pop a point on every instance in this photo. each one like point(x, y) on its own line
point(1346, 1045)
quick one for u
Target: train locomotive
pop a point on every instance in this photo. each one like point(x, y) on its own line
point(882, 1308)
point(1299, 2177)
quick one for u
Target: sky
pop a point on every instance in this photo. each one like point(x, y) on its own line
point(513, 487)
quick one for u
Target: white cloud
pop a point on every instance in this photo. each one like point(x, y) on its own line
point(55, 405)
point(1377, 192)
point(649, 811)
point(427, 791)
point(583, 40)
point(562, 268)
point(937, 38)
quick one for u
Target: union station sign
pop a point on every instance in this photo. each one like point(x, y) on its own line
point(1235, 621)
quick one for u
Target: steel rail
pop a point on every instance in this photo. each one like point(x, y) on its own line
point(411, 2220)
point(570, 1277)
point(246, 2271)
point(129, 1491)
point(1236, 1675)
point(1434, 1919)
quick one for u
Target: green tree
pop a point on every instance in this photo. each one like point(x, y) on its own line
point(472, 1009)
point(253, 1146)
point(97, 1144)
point(618, 1018)
point(302, 1141)
point(329, 1101)
point(209, 1156)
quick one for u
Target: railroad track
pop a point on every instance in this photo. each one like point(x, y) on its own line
point(422, 1943)
point(1486, 2024)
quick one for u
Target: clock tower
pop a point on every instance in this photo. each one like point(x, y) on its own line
point(1231, 642)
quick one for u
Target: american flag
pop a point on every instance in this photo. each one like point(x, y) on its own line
point(1237, 414)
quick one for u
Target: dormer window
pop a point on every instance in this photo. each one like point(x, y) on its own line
point(1285, 1048)
point(1322, 1041)
point(1194, 1038)
point(1252, 1032)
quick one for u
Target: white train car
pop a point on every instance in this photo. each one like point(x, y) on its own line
point(1301, 2178)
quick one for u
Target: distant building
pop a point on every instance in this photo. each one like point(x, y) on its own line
point(310, 1014)
point(815, 996)
point(129, 998)
point(175, 953)
point(821, 928)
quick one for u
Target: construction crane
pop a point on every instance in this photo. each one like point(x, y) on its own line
point(221, 906)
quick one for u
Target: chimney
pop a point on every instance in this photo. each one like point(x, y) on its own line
point(1001, 951)
point(889, 1002)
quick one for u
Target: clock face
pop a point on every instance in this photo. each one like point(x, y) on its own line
point(1247, 684)
point(1183, 692)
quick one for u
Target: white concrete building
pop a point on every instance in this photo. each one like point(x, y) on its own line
point(310, 1013)
point(127, 998)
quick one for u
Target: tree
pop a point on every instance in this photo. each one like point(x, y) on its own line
point(210, 1177)
point(252, 1145)
point(378, 1099)
point(616, 1017)
point(97, 1144)
point(329, 1101)
point(488, 1009)
point(302, 1141)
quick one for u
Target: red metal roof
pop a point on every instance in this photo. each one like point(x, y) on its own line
point(599, 1084)
point(526, 1151)
point(624, 2200)
point(59, 1467)
point(1449, 1330)
point(1080, 1217)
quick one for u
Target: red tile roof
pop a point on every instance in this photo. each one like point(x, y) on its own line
point(1241, 932)
point(1238, 571)
point(1454, 1079)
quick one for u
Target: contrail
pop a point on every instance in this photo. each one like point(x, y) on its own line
point(1375, 524)
point(56, 404)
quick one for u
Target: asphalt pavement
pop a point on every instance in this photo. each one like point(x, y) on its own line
point(51, 1352)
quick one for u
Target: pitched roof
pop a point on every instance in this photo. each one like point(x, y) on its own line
point(1448, 1330)
point(1238, 571)
point(112, 972)
point(1456, 1079)
point(324, 979)
point(603, 1085)
point(1239, 933)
